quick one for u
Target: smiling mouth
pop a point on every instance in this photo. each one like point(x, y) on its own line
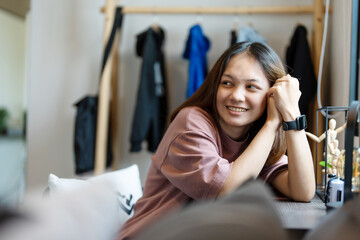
point(235, 109)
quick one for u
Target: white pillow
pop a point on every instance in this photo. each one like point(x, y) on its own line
point(125, 183)
point(62, 185)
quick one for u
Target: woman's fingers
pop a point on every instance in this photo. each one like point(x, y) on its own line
point(273, 113)
point(286, 94)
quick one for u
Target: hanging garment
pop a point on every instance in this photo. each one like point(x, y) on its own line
point(151, 106)
point(197, 45)
point(299, 65)
point(249, 34)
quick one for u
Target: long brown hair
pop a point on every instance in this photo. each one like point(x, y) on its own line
point(205, 96)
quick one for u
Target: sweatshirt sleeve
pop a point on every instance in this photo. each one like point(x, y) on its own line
point(194, 165)
point(190, 155)
point(269, 173)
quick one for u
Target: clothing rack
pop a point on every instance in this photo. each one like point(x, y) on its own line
point(218, 10)
point(108, 86)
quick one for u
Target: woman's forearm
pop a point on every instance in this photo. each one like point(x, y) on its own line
point(252, 160)
point(301, 176)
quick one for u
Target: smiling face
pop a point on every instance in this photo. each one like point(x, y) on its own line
point(241, 95)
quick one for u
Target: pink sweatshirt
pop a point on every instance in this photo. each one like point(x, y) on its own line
point(192, 161)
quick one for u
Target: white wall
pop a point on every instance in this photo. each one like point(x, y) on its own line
point(12, 66)
point(64, 59)
point(65, 56)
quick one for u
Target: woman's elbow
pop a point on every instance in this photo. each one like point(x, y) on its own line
point(304, 196)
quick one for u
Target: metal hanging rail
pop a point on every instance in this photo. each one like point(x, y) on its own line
point(218, 10)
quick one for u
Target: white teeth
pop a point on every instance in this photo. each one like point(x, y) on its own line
point(236, 109)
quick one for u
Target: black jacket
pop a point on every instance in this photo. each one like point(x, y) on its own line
point(299, 65)
point(151, 106)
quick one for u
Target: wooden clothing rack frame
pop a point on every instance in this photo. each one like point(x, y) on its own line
point(108, 87)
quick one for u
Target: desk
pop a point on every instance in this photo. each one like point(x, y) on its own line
point(298, 217)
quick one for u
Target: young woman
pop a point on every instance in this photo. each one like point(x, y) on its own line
point(227, 132)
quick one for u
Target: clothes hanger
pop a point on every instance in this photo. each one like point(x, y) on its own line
point(199, 19)
point(250, 23)
point(236, 23)
point(155, 21)
point(155, 24)
point(298, 22)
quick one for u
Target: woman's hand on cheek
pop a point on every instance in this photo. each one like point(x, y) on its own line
point(273, 115)
point(286, 94)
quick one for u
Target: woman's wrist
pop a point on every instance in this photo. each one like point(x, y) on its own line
point(273, 125)
point(290, 115)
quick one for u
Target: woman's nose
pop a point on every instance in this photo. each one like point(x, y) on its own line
point(238, 94)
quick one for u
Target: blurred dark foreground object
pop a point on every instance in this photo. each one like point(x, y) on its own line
point(9, 215)
point(342, 223)
point(248, 213)
point(91, 212)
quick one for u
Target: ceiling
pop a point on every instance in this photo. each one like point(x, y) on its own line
point(16, 7)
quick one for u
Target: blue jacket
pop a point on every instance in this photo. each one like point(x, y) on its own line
point(196, 48)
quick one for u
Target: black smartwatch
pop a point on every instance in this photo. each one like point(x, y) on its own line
point(300, 123)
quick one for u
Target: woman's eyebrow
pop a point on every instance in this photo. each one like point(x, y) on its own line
point(253, 80)
point(247, 80)
point(228, 75)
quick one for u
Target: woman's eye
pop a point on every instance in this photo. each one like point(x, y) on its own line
point(226, 83)
point(253, 87)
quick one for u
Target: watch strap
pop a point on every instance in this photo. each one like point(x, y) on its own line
point(299, 123)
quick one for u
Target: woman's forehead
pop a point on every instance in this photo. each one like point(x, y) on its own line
point(244, 66)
